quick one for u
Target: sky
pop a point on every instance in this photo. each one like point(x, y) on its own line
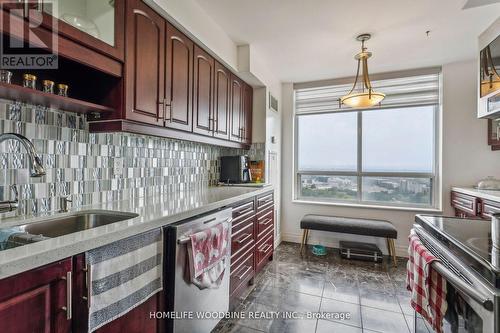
point(394, 140)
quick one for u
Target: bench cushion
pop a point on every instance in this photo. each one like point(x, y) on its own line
point(357, 226)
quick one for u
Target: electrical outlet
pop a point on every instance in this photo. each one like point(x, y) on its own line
point(118, 166)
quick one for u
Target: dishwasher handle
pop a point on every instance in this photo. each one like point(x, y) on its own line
point(186, 239)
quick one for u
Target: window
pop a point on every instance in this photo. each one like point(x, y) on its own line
point(383, 156)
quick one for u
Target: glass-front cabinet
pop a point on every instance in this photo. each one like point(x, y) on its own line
point(93, 17)
point(98, 24)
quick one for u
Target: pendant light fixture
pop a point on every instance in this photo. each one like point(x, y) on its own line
point(363, 96)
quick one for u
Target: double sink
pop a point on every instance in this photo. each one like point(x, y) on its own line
point(60, 226)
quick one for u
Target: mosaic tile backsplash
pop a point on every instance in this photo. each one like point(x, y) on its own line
point(82, 164)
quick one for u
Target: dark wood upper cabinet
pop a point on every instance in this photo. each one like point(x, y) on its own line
point(247, 114)
point(99, 25)
point(36, 301)
point(222, 101)
point(236, 108)
point(179, 80)
point(203, 92)
point(145, 65)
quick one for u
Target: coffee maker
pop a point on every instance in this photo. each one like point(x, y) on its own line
point(235, 169)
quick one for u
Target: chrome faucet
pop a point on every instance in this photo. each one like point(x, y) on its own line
point(36, 168)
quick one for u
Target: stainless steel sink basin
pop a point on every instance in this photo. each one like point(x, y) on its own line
point(80, 221)
point(59, 226)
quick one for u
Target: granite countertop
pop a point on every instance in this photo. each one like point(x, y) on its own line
point(484, 194)
point(154, 212)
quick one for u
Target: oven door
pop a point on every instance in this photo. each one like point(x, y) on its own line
point(471, 301)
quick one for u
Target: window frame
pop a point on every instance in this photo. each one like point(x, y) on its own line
point(434, 176)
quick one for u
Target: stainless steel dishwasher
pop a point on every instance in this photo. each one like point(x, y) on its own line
point(185, 302)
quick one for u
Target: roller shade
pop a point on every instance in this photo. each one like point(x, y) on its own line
point(406, 91)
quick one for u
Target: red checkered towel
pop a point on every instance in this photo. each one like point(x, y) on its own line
point(428, 287)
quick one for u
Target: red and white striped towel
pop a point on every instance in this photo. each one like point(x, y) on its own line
point(428, 287)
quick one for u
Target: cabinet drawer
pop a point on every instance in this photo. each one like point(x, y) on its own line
point(241, 239)
point(243, 211)
point(243, 250)
point(464, 202)
point(242, 273)
point(265, 200)
point(488, 208)
point(264, 222)
point(263, 251)
point(242, 224)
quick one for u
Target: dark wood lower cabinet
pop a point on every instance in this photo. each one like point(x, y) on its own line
point(252, 241)
point(468, 206)
point(36, 301)
point(137, 320)
point(464, 205)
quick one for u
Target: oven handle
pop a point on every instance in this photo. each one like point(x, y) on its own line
point(463, 286)
point(460, 284)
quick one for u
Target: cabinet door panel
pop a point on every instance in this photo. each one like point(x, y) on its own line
point(179, 80)
point(222, 101)
point(96, 24)
point(145, 64)
point(33, 301)
point(17, 315)
point(236, 108)
point(203, 114)
point(247, 114)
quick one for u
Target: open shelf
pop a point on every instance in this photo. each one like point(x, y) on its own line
point(19, 93)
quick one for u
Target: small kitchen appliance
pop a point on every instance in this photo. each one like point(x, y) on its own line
point(235, 169)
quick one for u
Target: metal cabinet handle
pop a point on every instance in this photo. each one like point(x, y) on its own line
point(265, 222)
point(88, 282)
point(243, 239)
point(241, 276)
point(210, 124)
point(163, 105)
point(264, 248)
point(243, 212)
point(216, 125)
point(69, 294)
point(171, 108)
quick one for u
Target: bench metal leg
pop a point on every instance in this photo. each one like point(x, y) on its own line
point(392, 251)
point(303, 244)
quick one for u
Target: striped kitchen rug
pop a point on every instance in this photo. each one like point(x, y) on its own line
point(123, 275)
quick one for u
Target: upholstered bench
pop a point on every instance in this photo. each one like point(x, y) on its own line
point(346, 225)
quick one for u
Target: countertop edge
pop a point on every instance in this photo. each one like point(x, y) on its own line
point(32, 261)
point(484, 194)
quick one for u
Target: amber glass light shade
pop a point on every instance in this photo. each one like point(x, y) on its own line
point(362, 100)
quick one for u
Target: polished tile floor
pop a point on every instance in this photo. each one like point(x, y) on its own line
point(361, 296)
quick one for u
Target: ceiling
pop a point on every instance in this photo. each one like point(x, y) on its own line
point(315, 39)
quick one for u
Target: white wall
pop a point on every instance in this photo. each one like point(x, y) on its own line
point(466, 159)
point(466, 155)
point(195, 22)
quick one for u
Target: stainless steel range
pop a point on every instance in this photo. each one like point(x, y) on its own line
point(469, 262)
